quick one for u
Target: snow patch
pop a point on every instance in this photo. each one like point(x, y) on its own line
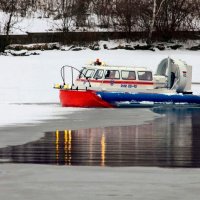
point(12, 114)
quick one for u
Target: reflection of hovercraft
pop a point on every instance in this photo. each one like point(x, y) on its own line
point(174, 109)
point(100, 85)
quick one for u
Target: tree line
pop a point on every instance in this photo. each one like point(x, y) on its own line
point(161, 16)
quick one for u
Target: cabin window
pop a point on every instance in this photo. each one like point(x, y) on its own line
point(112, 74)
point(82, 73)
point(99, 74)
point(89, 73)
point(128, 75)
point(145, 75)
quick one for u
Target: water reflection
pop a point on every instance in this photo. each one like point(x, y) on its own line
point(169, 141)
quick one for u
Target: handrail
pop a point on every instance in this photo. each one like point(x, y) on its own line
point(62, 72)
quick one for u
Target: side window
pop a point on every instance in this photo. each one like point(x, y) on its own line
point(145, 75)
point(98, 74)
point(112, 74)
point(89, 73)
point(128, 75)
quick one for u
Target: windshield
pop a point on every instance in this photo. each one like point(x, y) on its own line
point(82, 73)
point(89, 73)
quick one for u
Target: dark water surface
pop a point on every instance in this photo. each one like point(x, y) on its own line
point(170, 141)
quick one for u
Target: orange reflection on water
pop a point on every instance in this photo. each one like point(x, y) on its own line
point(103, 149)
point(57, 146)
point(68, 146)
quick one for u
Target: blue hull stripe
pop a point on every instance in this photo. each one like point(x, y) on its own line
point(113, 97)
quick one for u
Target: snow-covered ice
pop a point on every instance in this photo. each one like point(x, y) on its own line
point(30, 79)
point(13, 114)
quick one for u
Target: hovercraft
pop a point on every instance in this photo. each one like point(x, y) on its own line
point(106, 86)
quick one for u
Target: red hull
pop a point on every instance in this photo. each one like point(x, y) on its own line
point(86, 99)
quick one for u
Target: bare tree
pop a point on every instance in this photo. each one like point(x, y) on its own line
point(156, 9)
point(81, 12)
point(66, 14)
point(125, 14)
point(175, 15)
point(13, 9)
point(167, 16)
point(103, 9)
point(9, 8)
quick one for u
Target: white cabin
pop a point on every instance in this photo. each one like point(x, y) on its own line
point(172, 76)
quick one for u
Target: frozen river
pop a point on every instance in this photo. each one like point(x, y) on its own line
point(38, 162)
point(169, 140)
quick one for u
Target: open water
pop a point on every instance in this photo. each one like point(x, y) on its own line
point(172, 140)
